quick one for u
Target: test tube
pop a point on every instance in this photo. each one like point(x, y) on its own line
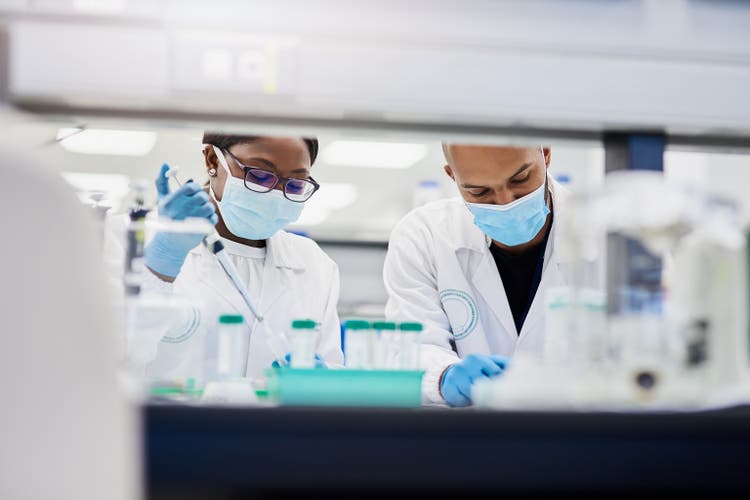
point(386, 346)
point(232, 348)
point(409, 333)
point(304, 337)
point(356, 344)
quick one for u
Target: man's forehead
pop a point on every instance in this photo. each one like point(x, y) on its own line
point(472, 152)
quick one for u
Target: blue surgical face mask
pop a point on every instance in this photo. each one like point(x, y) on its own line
point(251, 215)
point(514, 223)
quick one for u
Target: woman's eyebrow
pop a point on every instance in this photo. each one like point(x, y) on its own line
point(264, 161)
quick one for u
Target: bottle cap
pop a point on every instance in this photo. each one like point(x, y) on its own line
point(357, 324)
point(384, 325)
point(230, 319)
point(304, 324)
point(410, 327)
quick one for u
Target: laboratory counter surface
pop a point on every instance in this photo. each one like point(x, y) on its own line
point(196, 452)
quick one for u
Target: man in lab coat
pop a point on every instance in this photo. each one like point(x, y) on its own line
point(474, 268)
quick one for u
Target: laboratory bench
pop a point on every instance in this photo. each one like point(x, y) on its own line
point(303, 452)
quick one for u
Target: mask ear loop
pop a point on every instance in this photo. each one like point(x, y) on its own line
point(546, 177)
point(222, 159)
point(223, 162)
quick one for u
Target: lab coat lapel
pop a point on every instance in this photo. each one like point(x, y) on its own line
point(553, 272)
point(487, 282)
point(275, 284)
point(281, 263)
point(212, 274)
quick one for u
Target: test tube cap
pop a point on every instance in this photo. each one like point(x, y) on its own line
point(304, 324)
point(384, 325)
point(410, 327)
point(357, 324)
point(230, 319)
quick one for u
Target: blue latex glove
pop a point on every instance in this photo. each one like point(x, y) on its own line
point(166, 252)
point(319, 363)
point(457, 379)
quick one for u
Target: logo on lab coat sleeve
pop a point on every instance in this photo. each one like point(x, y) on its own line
point(461, 311)
point(185, 329)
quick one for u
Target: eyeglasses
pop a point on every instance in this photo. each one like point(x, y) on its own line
point(264, 181)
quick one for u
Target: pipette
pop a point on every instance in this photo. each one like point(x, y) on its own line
point(214, 245)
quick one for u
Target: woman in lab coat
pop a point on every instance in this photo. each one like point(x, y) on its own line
point(256, 186)
point(474, 269)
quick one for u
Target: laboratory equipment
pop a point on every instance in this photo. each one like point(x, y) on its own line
point(676, 342)
point(230, 391)
point(233, 343)
point(135, 240)
point(386, 345)
point(231, 386)
point(96, 201)
point(304, 339)
point(345, 387)
point(409, 342)
point(149, 316)
point(357, 342)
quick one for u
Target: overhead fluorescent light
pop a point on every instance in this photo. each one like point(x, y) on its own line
point(95, 141)
point(373, 154)
point(99, 6)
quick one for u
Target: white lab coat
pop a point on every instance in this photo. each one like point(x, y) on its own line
point(299, 281)
point(439, 270)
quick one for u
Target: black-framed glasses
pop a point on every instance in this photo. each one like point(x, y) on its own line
point(264, 181)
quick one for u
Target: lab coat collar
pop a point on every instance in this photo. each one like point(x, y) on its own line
point(281, 252)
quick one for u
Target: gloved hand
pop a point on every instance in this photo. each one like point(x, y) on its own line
point(458, 378)
point(319, 363)
point(166, 252)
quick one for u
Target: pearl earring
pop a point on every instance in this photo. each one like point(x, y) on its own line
point(212, 172)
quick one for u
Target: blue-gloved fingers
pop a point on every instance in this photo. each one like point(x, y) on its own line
point(465, 380)
point(205, 211)
point(162, 181)
point(319, 362)
point(184, 191)
point(199, 198)
point(214, 219)
point(501, 361)
point(287, 358)
point(178, 204)
point(481, 366)
point(458, 400)
point(454, 386)
point(459, 390)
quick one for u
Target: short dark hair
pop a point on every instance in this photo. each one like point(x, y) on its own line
point(226, 141)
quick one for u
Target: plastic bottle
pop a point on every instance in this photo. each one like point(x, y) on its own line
point(410, 339)
point(386, 346)
point(358, 334)
point(304, 338)
point(232, 347)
